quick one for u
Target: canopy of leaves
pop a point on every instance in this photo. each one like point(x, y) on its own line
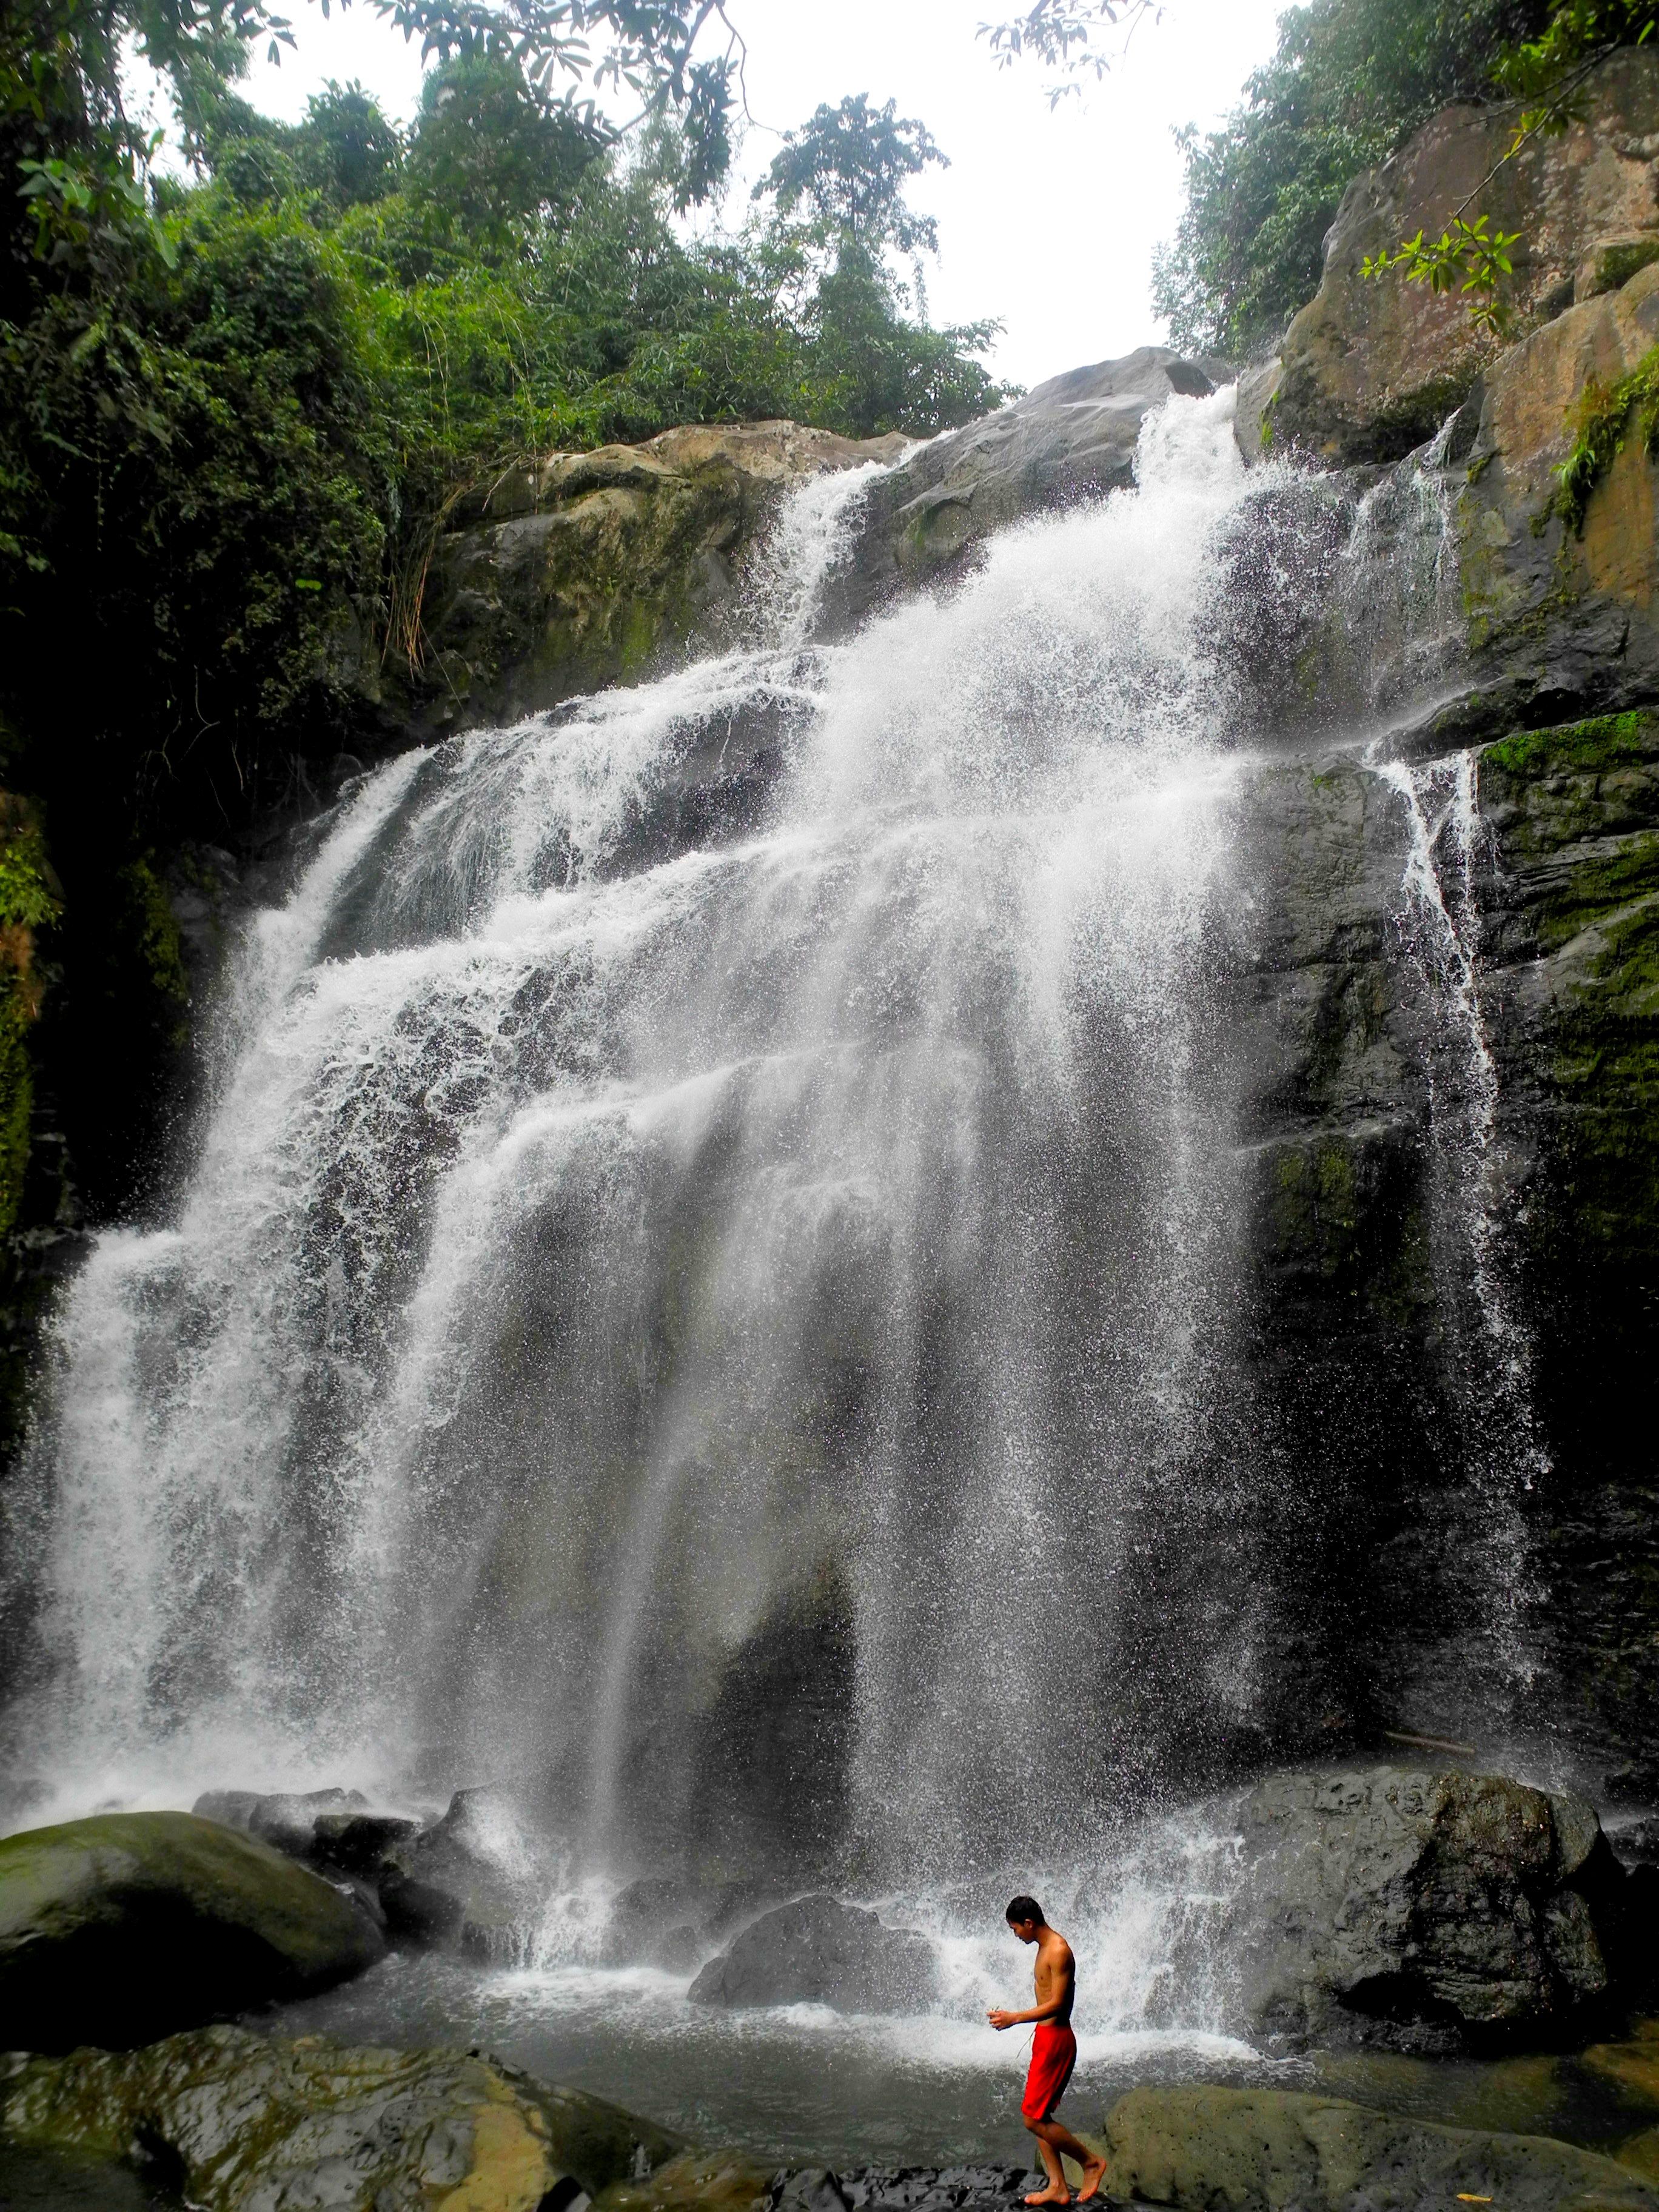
point(1349, 81)
point(236, 453)
point(848, 168)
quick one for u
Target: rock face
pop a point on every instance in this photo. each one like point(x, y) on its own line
point(1560, 609)
point(588, 568)
point(818, 1951)
point(1266, 2150)
point(244, 2122)
point(1424, 1911)
point(1373, 366)
point(1072, 437)
point(123, 1926)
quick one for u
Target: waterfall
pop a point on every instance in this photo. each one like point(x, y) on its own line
point(706, 1281)
point(1500, 1448)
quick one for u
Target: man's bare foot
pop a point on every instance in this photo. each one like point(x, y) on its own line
point(1094, 2173)
point(1056, 2192)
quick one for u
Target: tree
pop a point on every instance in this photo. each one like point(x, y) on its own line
point(346, 148)
point(1068, 34)
point(850, 166)
point(80, 161)
point(488, 150)
point(1350, 80)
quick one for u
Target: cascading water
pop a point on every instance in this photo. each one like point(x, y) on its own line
point(1500, 1448)
point(616, 1250)
point(712, 1288)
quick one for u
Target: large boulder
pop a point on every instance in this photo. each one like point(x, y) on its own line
point(586, 569)
point(818, 1951)
point(1072, 437)
point(122, 1928)
point(1274, 2150)
point(1372, 368)
point(245, 2122)
point(1424, 1911)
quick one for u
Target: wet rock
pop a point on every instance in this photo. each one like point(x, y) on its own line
point(360, 1843)
point(1070, 438)
point(231, 1808)
point(1425, 1911)
point(249, 2121)
point(818, 1951)
point(472, 1878)
point(1250, 2150)
point(696, 2181)
point(287, 1822)
point(901, 2189)
point(123, 1926)
point(1372, 368)
point(588, 568)
point(665, 1921)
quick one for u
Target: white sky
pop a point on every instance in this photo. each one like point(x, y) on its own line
point(1047, 220)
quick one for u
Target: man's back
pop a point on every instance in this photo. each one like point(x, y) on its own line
point(1056, 1975)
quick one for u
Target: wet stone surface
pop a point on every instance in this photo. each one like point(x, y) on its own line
point(901, 2187)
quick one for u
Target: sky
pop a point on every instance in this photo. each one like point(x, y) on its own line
point(1047, 220)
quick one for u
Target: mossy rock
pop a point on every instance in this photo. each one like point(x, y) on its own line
point(1266, 2150)
point(244, 2121)
point(120, 1929)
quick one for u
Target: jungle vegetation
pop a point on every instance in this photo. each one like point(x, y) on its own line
point(234, 402)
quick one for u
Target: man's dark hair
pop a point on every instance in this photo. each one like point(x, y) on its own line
point(1023, 1909)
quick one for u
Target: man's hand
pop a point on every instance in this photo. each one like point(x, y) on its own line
point(1001, 2019)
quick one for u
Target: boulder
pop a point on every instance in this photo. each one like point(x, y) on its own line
point(1274, 2150)
point(819, 1951)
point(586, 569)
point(126, 1926)
point(1073, 437)
point(1373, 366)
point(472, 1879)
point(1424, 1910)
point(287, 1822)
point(670, 1922)
point(242, 2121)
point(359, 1843)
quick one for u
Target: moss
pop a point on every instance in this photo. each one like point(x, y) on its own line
point(1602, 742)
point(28, 901)
point(1315, 1205)
point(157, 948)
point(1601, 423)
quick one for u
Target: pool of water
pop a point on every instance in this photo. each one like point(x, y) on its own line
point(797, 2086)
point(802, 2085)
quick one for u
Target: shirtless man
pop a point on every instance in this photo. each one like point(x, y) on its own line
point(1054, 2054)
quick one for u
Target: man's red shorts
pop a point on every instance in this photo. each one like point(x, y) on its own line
point(1054, 2054)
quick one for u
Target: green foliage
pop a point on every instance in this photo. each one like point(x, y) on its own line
point(488, 151)
point(1351, 80)
point(1064, 34)
point(347, 149)
point(1601, 423)
point(1545, 72)
point(27, 899)
point(1467, 256)
point(238, 462)
point(848, 165)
